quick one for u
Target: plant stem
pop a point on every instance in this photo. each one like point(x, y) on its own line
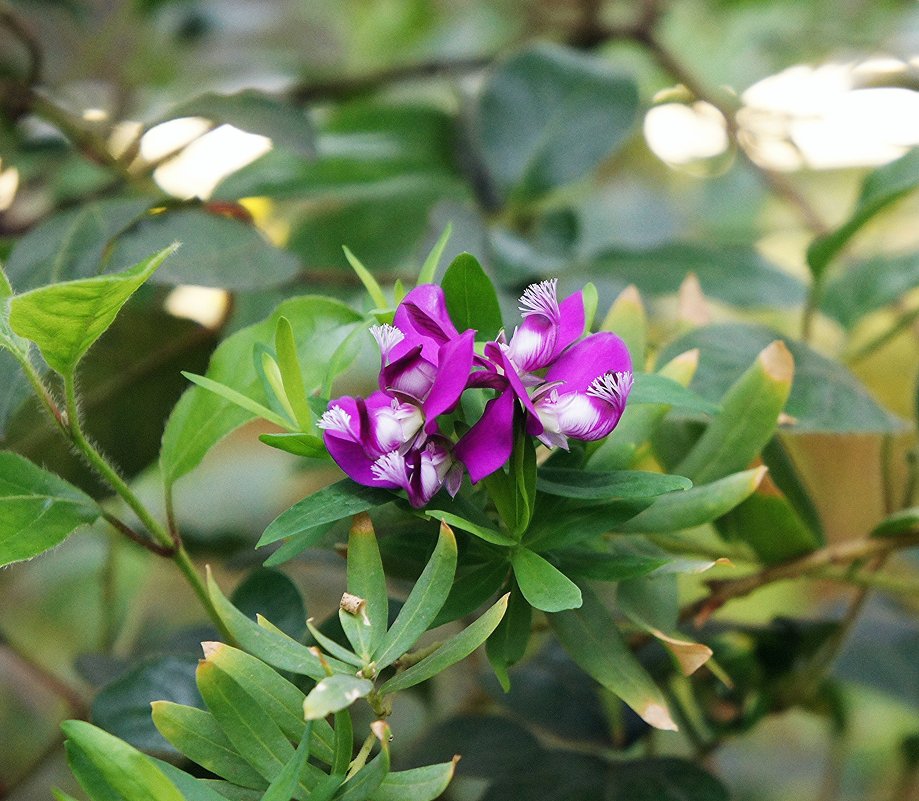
point(169, 544)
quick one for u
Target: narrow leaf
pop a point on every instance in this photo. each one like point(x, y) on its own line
point(658, 388)
point(344, 499)
point(695, 507)
point(588, 485)
point(590, 636)
point(486, 533)
point(453, 650)
point(230, 394)
point(423, 603)
point(367, 279)
point(366, 580)
point(417, 784)
point(426, 276)
point(292, 377)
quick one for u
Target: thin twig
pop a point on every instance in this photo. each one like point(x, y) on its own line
point(12, 22)
point(144, 542)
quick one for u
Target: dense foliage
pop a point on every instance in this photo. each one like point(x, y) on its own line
point(593, 457)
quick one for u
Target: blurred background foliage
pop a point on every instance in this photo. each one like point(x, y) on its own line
point(694, 149)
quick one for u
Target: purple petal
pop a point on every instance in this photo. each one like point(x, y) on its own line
point(533, 343)
point(410, 374)
point(571, 322)
point(590, 358)
point(454, 365)
point(422, 316)
point(534, 427)
point(487, 446)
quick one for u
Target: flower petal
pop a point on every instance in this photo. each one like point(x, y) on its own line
point(453, 368)
point(571, 322)
point(410, 374)
point(422, 316)
point(593, 356)
point(487, 446)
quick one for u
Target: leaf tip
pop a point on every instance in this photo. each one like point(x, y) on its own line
point(658, 716)
point(777, 362)
point(362, 524)
point(211, 648)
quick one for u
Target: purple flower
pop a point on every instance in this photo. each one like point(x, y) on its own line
point(581, 394)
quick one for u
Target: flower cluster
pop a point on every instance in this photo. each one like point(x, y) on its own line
point(563, 386)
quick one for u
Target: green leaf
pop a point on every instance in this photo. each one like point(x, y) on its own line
point(417, 784)
point(73, 243)
point(286, 124)
point(906, 521)
point(697, 506)
point(739, 276)
point(471, 299)
point(825, 396)
point(542, 584)
point(131, 774)
point(232, 396)
point(201, 419)
point(590, 636)
point(868, 285)
point(337, 501)
point(514, 491)
point(508, 642)
point(367, 629)
point(747, 421)
point(770, 526)
point(38, 510)
point(452, 651)
point(472, 589)
point(333, 694)
point(613, 560)
point(486, 533)
point(194, 789)
point(197, 735)
point(367, 279)
point(424, 601)
point(429, 268)
point(122, 706)
point(275, 649)
point(589, 485)
point(367, 780)
point(657, 388)
point(538, 118)
point(307, 445)
point(295, 545)
point(663, 779)
point(881, 188)
point(64, 320)
point(272, 594)
point(253, 735)
point(291, 376)
point(567, 524)
point(279, 699)
point(217, 251)
point(285, 783)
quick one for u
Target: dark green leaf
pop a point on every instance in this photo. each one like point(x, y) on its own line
point(272, 595)
point(216, 251)
point(122, 708)
point(65, 319)
point(589, 485)
point(38, 510)
point(592, 639)
point(770, 526)
point(663, 779)
point(72, 244)
point(472, 589)
point(471, 299)
point(903, 522)
point(548, 116)
point(824, 397)
point(482, 532)
point(331, 503)
point(508, 642)
point(882, 187)
point(417, 784)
